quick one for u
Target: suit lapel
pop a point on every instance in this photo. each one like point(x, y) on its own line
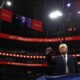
point(61, 58)
point(68, 60)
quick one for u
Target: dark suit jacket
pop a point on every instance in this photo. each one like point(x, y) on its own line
point(49, 57)
point(59, 65)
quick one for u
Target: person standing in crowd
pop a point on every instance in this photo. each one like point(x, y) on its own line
point(49, 55)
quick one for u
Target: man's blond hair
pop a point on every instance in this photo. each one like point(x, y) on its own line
point(65, 45)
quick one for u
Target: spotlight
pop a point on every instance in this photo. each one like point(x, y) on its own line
point(69, 4)
point(9, 3)
point(55, 14)
point(78, 12)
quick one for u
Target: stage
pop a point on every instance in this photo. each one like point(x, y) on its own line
point(64, 77)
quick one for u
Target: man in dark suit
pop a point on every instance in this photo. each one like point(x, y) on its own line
point(64, 64)
point(49, 55)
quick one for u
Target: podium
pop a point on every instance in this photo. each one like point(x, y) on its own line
point(64, 77)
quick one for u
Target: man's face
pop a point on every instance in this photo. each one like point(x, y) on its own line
point(49, 49)
point(63, 49)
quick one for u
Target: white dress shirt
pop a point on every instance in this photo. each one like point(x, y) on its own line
point(65, 57)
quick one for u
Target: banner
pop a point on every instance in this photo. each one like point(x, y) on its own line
point(24, 39)
point(22, 64)
point(24, 21)
point(37, 25)
point(6, 15)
